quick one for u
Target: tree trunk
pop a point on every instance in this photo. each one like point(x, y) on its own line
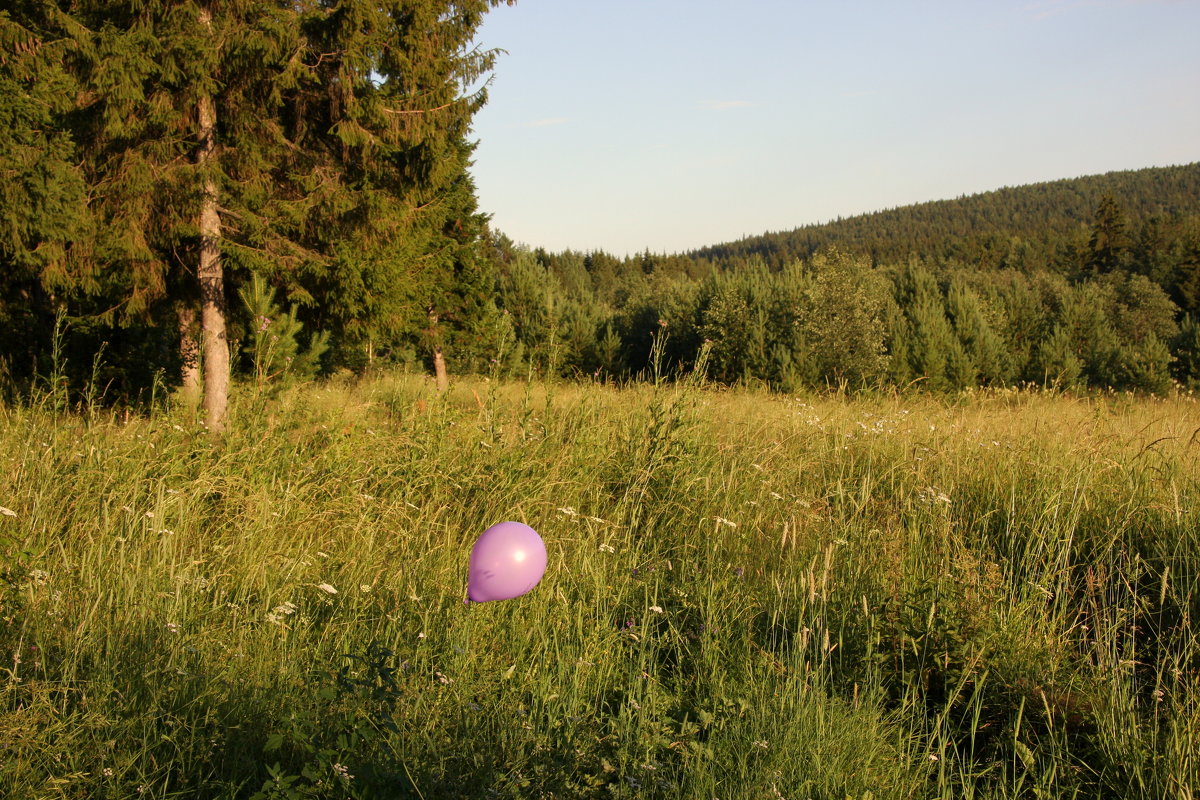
point(439, 369)
point(212, 278)
point(441, 380)
point(189, 356)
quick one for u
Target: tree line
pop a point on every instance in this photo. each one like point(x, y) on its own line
point(1102, 299)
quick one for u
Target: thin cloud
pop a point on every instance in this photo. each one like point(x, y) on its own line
point(722, 105)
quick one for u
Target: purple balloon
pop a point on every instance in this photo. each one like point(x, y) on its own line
point(507, 561)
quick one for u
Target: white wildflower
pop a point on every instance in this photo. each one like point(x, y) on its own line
point(325, 587)
point(279, 612)
point(656, 609)
point(608, 548)
point(8, 512)
point(725, 522)
point(568, 511)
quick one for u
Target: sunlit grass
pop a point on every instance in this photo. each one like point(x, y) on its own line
point(748, 596)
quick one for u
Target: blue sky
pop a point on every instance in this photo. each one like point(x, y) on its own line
point(667, 125)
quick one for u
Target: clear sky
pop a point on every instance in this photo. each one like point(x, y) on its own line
point(667, 125)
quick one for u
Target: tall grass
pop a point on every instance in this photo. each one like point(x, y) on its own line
point(749, 596)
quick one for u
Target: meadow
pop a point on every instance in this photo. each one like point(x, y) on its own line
point(988, 595)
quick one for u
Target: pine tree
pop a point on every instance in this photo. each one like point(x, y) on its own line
point(981, 346)
point(1108, 246)
point(1186, 350)
point(934, 351)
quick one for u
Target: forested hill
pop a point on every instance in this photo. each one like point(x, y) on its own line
point(996, 228)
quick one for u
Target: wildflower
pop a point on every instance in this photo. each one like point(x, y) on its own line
point(656, 609)
point(568, 511)
point(172, 627)
point(8, 512)
point(279, 612)
point(108, 773)
point(362, 587)
point(325, 587)
point(39, 576)
point(725, 522)
point(761, 743)
point(343, 772)
point(608, 548)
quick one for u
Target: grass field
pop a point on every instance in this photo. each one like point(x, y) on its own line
point(748, 596)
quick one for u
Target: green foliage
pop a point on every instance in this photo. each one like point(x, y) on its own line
point(1187, 353)
point(936, 356)
point(272, 344)
point(842, 321)
point(340, 169)
point(989, 360)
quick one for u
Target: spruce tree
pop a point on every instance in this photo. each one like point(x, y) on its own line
point(934, 351)
point(44, 221)
point(320, 146)
point(981, 346)
point(1108, 247)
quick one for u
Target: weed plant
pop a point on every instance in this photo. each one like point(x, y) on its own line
point(748, 596)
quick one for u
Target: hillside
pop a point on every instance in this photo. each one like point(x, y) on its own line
point(986, 229)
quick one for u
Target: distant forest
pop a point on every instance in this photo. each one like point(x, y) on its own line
point(1088, 282)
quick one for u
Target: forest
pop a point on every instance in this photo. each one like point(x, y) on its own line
point(1089, 282)
point(275, 193)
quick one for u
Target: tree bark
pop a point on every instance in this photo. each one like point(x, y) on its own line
point(441, 380)
point(189, 356)
point(210, 273)
point(439, 369)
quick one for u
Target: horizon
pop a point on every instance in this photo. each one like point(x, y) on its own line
point(710, 129)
